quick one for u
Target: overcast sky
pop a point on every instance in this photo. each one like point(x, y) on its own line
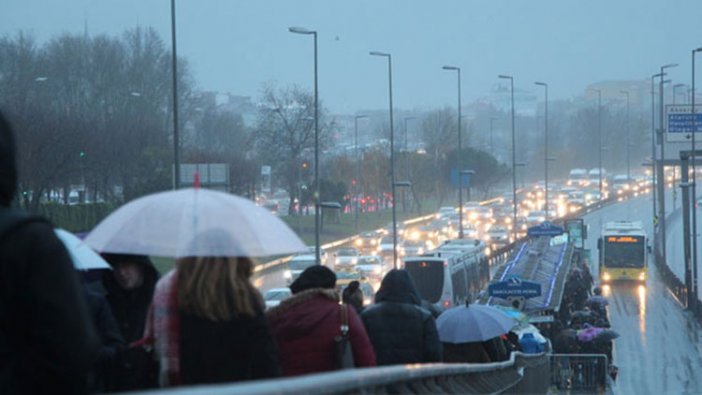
point(237, 46)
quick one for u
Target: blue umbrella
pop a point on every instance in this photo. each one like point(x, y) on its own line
point(472, 323)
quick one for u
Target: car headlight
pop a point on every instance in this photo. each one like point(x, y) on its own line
point(337, 261)
point(606, 276)
point(642, 276)
point(354, 261)
point(287, 274)
point(359, 242)
point(377, 270)
point(374, 242)
point(420, 251)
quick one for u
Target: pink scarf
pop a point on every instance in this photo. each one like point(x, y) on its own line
point(163, 330)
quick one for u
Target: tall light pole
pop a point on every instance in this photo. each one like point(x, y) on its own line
point(545, 85)
point(407, 164)
point(514, 160)
point(599, 137)
point(302, 30)
point(661, 166)
point(653, 149)
point(460, 153)
point(174, 75)
point(358, 163)
point(628, 143)
point(694, 182)
point(392, 159)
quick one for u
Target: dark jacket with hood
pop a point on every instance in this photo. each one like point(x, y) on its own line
point(401, 331)
point(135, 369)
point(47, 340)
point(304, 327)
point(130, 306)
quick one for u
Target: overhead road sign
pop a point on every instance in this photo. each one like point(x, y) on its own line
point(514, 287)
point(545, 228)
point(678, 122)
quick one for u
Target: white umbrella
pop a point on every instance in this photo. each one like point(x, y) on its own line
point(194, 222)
point(83, 257)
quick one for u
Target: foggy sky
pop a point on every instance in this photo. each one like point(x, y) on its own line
point(237, 46)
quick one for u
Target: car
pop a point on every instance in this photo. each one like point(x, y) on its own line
point(412, 247)
point(323, 256)
point(296, 265)
point(385, 247)
point(345, 257)
point(371, 267)
point(344, 277)
point(274, 296)
point(498, 236)
point(367, 241)
point(443, 211)
point(536, 217)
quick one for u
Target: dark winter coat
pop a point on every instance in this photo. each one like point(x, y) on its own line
point(111, 342)
point(129, 307)
point(47, 340)
point(401, 331)
point(304, 327)
point(236, 350)
point(135, 368)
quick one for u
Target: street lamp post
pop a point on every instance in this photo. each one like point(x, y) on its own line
point(174, 74)
point(546, 158)
point(302, 30)
point(358, 164)
point(628, 143)
point(514, 160)
point(694, 182)
point(653, 149)
point(599, 139)
point(661, 166)
point(460, 154)
point(392, 158)
point(407, 165)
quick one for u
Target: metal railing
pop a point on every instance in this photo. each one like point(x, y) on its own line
point(588, 373)
point(522, 373)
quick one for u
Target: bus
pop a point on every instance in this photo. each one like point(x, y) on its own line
point(622, 252)
point(451, 274)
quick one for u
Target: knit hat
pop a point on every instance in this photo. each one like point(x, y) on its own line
point(314, 277)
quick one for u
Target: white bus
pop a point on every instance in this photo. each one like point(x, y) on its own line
point(450, 274)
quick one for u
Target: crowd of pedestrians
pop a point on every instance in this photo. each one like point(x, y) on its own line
point(204, 322)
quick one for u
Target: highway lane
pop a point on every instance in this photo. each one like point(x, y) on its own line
point(660, 348)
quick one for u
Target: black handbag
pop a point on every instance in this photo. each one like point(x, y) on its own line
point(344, 354)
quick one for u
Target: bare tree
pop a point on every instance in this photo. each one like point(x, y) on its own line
point(284, 133)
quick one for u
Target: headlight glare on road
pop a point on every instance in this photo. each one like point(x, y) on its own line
point(606, 276)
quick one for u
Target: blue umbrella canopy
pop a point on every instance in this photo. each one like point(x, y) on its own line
point(472, 323)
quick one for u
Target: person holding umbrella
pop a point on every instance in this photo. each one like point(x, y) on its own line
point(206, 322)
point(464, 329)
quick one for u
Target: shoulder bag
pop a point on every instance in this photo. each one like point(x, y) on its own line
point(342, 343)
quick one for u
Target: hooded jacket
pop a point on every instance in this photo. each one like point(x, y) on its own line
point(401, 331)
point(129, 307)
point(47, 341)
point(304, 327)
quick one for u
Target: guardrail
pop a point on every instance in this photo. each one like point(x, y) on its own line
point(522, 373)
point(586, 373)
